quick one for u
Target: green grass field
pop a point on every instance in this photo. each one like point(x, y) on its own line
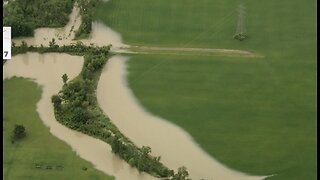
point(256, 115)
point(235, 109)
point(39, 146)
point(273, 26)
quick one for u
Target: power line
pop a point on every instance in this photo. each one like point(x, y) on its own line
point(219, 23)
point(223, 20)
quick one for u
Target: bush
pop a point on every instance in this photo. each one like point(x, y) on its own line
point(19, 132)
point(56, 100)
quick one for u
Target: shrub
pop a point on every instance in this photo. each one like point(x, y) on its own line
point(19, 132)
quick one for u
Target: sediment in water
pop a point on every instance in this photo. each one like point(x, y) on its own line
point(47, 70)
point(167, 140)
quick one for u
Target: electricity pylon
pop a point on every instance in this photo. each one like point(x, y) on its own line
point(241, 29)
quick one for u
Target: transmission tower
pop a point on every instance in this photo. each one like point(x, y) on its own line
point(241, 29)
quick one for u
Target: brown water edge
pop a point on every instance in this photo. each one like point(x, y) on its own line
point(100, 35)
point(167, 140)
point(155, 132)
point(47, 70)
point(62, 35)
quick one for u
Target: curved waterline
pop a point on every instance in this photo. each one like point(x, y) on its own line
point(172, 155)
point(47, 73)
point(167, 140)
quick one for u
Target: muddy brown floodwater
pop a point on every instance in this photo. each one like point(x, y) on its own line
point(47, 70)
point(167, 140)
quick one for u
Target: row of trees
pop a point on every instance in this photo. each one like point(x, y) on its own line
point(26, 15)
point(76, 107)
point(77, 48)
point(86, 10)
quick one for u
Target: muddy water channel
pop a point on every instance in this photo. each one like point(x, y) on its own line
point(46, 70)
point(172, 143)
point(167, 140)
point(101, 35)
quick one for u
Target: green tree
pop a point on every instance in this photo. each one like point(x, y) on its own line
point(53, 44)
point(80, 116)
point(56, 100)
point(182, 174)
point(132, 162)
point(19, 132)
point(115, 144)
point(145, 150)
point(24, 46)
point(65, 78)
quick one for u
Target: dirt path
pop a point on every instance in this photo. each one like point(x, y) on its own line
point(103, 35)
point(186, 51)
point(111, 89)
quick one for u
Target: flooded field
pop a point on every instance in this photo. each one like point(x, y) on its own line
point(172, 143)
point(167, 140)
point(46, 70)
